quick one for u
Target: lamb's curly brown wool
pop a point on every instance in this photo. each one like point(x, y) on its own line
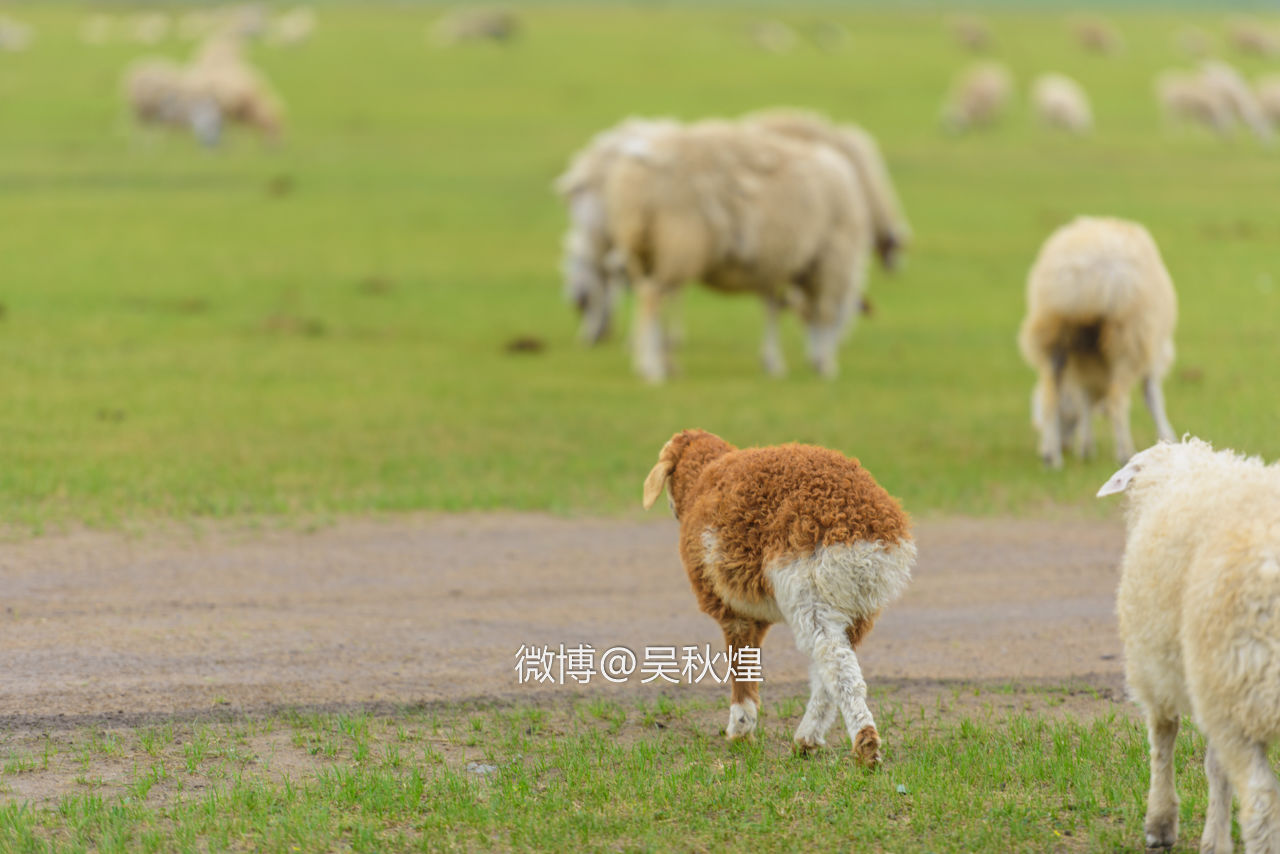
point(792, 533)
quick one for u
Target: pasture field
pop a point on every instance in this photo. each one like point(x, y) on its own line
point(980, 768)
point(321, 328)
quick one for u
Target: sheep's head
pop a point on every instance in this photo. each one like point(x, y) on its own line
point(1160, 457)
point(679, 464)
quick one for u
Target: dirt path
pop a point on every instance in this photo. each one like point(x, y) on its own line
point(101, 626)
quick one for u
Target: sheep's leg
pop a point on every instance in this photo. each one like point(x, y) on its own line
point(824, 340)
point(648, 357)
point(1085, 446)
point(1162, 798)
point(744, 696)
point(821, 632)
point(1154, 397)
point(1217, 821)
point(1051, 420)
point(1255, 785)
point(775, 365)
point(1118, 409)
point(819, 714)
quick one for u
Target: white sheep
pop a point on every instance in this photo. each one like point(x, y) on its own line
point(1250, 36)
point(790, 534)
point(162, 92)
point(292, 28)
point(1101, 311)
point(1199, 611)
point(1061, 103)
point(892, 231)
point(1098, 36)
point(594, 275)
point(978, 98)
point(1267, 91)
point(15, 36)
point(740, 209)
point(1185, 97)
point(970, 33)
point(220, 70)
point(476, 25)
point(97, 29)
point(772, 36)
point(1234, 92)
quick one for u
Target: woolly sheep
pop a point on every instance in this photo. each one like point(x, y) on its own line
point(892, 231)
point(744, 210)
point(772, 36)
point(97, 29)
point(1199, 611)
point(221, 71)
point(1101, 310)
point(291, 28)
point(1232, 90)
point(971, 33)
point(593, 273)
point(1061, 103)
point(1250, 36)
point(1185, 97)
point(795, 534)
point(978, 98)
point(475, 25)
point(1098, 36)
point(162, 92)
point(15, 36)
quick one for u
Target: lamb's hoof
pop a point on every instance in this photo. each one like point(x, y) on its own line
point(866, 747)
point(742, 721)
point(806, 746)
point(1162, 833)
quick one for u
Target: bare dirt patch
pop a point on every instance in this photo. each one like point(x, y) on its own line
point(106, 629)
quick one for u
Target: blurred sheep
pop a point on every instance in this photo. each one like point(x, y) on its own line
point(97, 29)
point(151, 28)
point(741, 210)
point(292, 28)
point(1267, 90)
point(1097, 36)
point(1101, 311)
point(242, 94)
point(971, 33)
point(1250, 36)
point(1232, 90)
point(1185, 97)
point(15, 36)
point(162, 92)
point(1194, 42)
point(1061, 103)
point(979, 98)
point(476, 25)
point(772, 36)
point(830, 36)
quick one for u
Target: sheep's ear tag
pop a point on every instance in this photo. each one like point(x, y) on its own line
point(1119, 481)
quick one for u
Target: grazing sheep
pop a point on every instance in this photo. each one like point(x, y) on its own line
point(830, 36)
point(292, 28)
point(1193, 42)
point(1234, 93)
point(476, 25)
point(221, 71)
point(741, 210)
point(1199, 609)
point(971, 33)
point(772, 36)
point(795, 534)
point(163, 92)
point(97, 29)
point(978, 98)
point(1061, 103)
point(594, 275)
point(1100, 316)
point(1185, 97)
point(1250, 36)
point(15, 36)
point(1098, 36)
point(892, 232)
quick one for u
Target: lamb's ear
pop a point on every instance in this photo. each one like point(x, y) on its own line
point(1121, 479)
point(656, 480)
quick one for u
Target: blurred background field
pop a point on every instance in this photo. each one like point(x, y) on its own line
point(323, 326)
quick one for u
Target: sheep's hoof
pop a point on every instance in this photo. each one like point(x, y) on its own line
point(866, 747)
point(805, 746)
point(1162, 832)
point(1051, 461)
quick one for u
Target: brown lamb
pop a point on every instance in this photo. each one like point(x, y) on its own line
point(796, 534)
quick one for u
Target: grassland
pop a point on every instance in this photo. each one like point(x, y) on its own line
point(321, 328)
point(981, 768)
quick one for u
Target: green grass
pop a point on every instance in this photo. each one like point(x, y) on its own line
point(178, 342)
point(982, 768)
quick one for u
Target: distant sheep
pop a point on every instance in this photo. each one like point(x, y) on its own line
point(476, 25)
point(1185, 97)
point(1101, 311)
point(1250, 36)
point(789, 534)
point(745, 210)
point(1097, 36)
point(1234, 92)
point(97, 29)
point(15, 36)
point(162, 92)
point(1193, 42)
point(242, 94)
point(594, 275)
point(979, 98)
point(1061, 103)
point(1267, 91)
point(892, 231)
point(971, 33)
point(772, 36)
point(291, 28)
point(151, 28)
point(1199, 611)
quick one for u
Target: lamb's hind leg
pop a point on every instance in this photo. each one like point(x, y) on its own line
point(819, 714)
point(744, 707)
point(821, 632)
point(1162, 798)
